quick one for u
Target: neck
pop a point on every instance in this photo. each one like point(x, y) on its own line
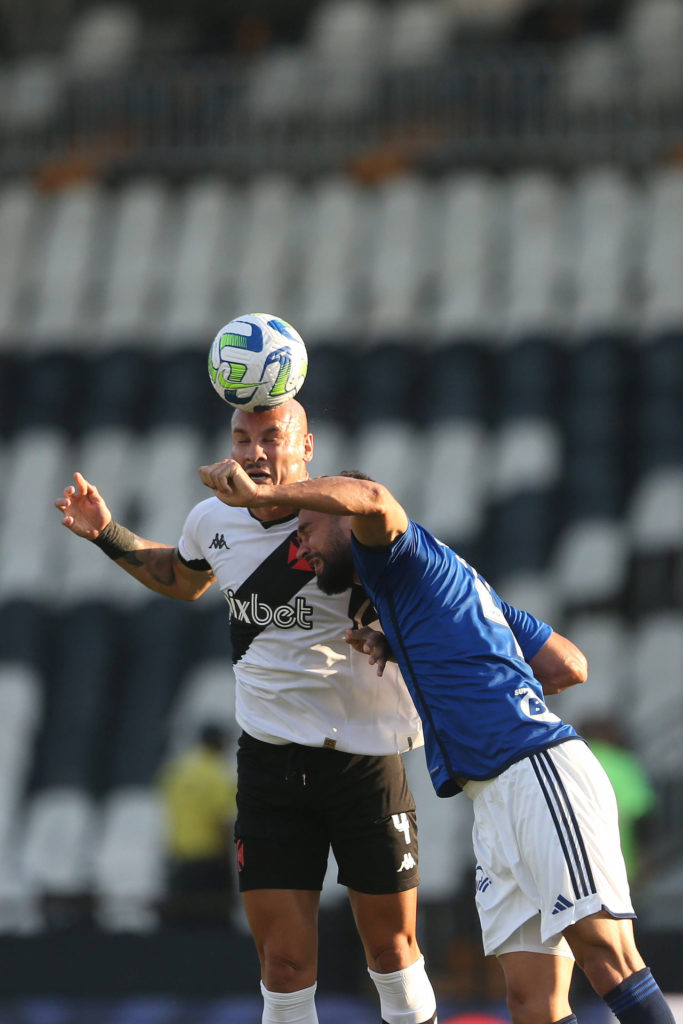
point(272, 513)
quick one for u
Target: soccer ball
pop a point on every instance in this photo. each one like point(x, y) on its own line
point(257, 362)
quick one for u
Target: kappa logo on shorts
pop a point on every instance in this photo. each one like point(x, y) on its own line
point(562, 903)
point(407, 863)
point(240, 854)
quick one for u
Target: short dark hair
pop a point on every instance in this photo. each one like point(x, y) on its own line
point(356, 474)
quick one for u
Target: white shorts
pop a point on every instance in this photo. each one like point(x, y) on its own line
point(546, 841)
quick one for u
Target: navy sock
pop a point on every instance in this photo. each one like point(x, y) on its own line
point(639, 1000)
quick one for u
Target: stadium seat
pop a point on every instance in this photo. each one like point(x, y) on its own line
point(21, 709)
point(526, 456)
point(268, 256)
point(465, 249)
point(529, 377)
point(400, 261)
point(206, 694)
point(332, 261)
point(279, 86)
point(107, 459)
point(590, 565)
point(592, 74)
point(652, 33)
point(23, 637)
point(116, 392)
point(654, 710)
point(655, 518)
point(343, 41)
point(130, 272)
point(201, 275)
point(452, 450)
point(35, 467)
point(72, 745)
point(154, 645)
point(103, 40)
point(418, 33)
point(66, 257)
point(533, 296)
point(171, 456)
point(663, 256)
point(388, 450)
point(57, 842)
point(129, 861)
point(600, 254)
point(19, 202)
point(604, 639)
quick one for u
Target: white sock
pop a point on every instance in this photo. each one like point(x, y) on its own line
point(406, 997)
point(289, 1007)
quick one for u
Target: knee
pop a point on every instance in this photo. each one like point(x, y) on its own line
point(396, 955)
point(525, 1005)
point(283, 972)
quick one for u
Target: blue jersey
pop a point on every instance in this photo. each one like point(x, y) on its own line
point(462, 654)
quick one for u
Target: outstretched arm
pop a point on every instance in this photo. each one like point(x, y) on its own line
point(377, 517)
point(86, 514)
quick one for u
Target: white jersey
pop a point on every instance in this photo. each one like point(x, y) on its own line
point(297, 678)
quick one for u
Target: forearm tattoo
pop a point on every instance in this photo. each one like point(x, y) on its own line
point(119, 542)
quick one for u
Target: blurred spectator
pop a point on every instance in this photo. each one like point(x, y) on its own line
point(198, 793)
point(636, 799)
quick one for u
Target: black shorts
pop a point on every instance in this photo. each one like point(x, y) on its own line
point(295, 802)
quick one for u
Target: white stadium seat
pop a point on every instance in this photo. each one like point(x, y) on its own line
point(130, 273)
point(57, 848)
point(129, 861)
point(465, 248)
point(602, 254)
point(268, 258)
point(201, 276)
point(400, 259)
point(332, 260)
point(19, 203)
point(535, 204)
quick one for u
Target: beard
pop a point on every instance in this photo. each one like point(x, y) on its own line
point(337, 572)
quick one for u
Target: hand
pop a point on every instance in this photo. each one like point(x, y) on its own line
point(230, 483)
point(84, 510)
point(372, 642)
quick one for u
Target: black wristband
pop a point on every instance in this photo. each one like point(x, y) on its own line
point(115, 540)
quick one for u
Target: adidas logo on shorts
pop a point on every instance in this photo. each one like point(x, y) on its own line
point(562, 903)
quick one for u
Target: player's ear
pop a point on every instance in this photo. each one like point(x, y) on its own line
point(308, 447)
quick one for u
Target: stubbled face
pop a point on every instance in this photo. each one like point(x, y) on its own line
point(273, 446)
point(326, 546)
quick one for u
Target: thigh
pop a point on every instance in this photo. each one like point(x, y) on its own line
point(386, 924)
point(281, 841)
point(373, 827)
point(284, 926)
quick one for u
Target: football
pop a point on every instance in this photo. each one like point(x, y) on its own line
point(257, 362)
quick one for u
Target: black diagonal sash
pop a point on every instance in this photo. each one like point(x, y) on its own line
point(262, 599)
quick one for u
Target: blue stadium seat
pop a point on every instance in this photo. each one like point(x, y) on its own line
point(155, 658)
point(84, 644)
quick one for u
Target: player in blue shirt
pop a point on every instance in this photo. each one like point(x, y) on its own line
point(550, 878)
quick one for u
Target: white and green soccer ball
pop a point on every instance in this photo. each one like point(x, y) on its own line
point(257, 362)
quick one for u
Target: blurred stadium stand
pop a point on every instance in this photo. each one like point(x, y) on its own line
point(473, 212)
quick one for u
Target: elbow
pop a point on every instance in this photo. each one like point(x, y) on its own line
point(579, 668)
